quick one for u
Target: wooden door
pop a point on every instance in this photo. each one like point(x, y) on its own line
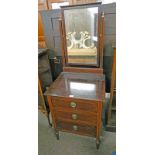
point(50, 20)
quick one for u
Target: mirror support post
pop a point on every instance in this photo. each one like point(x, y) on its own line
point(102, 41)
point(62, 41)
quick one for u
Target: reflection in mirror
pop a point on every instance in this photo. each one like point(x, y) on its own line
point(82, 86)
point(81, 35)
point(84, 89)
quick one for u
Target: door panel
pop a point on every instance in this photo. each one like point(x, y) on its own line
point(50, 20)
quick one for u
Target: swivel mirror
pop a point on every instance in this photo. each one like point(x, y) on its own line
point(81, 27)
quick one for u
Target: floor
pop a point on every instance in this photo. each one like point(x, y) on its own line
point(71, 144)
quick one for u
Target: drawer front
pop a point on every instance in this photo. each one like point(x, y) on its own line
point(76, 116)
point(76, 128)
point(75, 104)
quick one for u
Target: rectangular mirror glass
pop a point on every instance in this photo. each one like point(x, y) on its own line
point(81, 26)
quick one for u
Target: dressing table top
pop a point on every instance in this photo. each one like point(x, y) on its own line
point(78, 85)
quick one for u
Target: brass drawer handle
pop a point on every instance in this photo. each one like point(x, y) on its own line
point(75, 127)
point(74, 116)
point(73, 104)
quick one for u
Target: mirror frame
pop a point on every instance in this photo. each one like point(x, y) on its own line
point(63, 35)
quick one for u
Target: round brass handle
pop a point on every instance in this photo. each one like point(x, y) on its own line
point(75, 127)
point(73, 104)
point(74, 116)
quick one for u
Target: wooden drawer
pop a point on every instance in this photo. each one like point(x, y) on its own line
point(76, 128)
point(76, 104)
point(77, 116)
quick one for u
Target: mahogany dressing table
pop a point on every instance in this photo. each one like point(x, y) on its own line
point(77, 96)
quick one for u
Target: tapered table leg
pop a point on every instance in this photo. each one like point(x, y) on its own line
point(97, 143)
point(57, 134)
